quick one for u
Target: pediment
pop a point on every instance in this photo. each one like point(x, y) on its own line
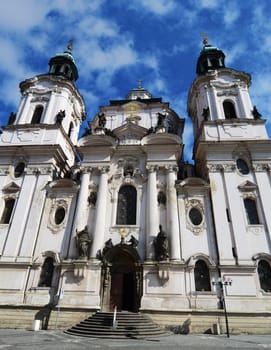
point(247, 186)
point(12, 187)
point(130, 130)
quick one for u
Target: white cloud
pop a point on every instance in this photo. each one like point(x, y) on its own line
point(208, 4)
point(157, 7)
point(231, 13)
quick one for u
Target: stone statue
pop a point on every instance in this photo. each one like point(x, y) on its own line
point(206, 113)
point(102, 120)
point(160, 119)
point(12, 118)
point(60, 116)
point(133, 242)
point(83, 242)
point(255, 113)
point(107, 245)
point(161, 245)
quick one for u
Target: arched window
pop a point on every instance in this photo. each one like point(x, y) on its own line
point(6, 215)
point(264, 273)
point(57, 68)
point(251, 211)
point(37, 115)
point(202, 277)
point(229, 110)
point(47, 272)
point(126, 213)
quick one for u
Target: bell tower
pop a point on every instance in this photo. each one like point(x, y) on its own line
point(232, 152)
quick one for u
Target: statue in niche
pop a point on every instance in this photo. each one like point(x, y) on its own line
point(161, 245)
point(255, 113)
point(83, 242)
point(12, 118)
point(92, 199)
point(133, 242)
point(102, 120)
point(128, 170)
point(161, 198)
point(206, 113)
point(107, 245)
point(60, 116)
point(160, 119)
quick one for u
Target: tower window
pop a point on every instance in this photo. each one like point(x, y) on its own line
point(37, 115)
point(251, 211)
point(9, 205)
point(47, 272)
point(126, 212)
point(229, 110)
point(195, 216)
point(202, 277)
point(264, 273)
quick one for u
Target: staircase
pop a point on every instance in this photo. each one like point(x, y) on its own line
point(128, 325)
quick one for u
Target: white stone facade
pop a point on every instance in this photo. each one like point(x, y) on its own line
point(120, 185)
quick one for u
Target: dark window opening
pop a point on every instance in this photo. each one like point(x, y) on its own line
point(126, 212)
point(70, 129)
point(47, 272)
point(195, 216)
point(251, 211)
point(37, 115)
point(242, 166)
point(9, 205)
point(59, 215)
point(19, 169)
point(264, 273)
point(229, 110)
point(202, 277)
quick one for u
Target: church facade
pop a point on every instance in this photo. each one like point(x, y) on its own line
point(117, 219)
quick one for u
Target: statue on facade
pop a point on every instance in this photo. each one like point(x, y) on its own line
point(161, 245)
point(83, 242)
point(255, 113)
point(60, 116)
point(133, 242)
point(102, 120)
point(12, 118)
point(206, 113)
point(160, 119)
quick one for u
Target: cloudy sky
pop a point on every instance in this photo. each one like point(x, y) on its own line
point(118, 42)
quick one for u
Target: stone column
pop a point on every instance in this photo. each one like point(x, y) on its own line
point(25, 116)
point(49, 118)
point(81, 215)
point(152, 210)
point(99, 227)
point(172, 215)
point(213, 105)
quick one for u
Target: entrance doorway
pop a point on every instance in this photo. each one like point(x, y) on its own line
point(122, 288)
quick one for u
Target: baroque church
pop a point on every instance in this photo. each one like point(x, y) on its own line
point(117, 220)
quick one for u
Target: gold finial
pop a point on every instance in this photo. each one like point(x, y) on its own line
point(139, 84)
point(123, 232)
point(69, 47)
point(205, 39)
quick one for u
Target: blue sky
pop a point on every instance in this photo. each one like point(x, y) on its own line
point(118, 42)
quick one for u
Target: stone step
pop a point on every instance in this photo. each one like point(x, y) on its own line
point(133, 325)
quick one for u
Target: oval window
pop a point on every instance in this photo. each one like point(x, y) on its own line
point(242, 166)
point(59, 215)
point(195, 216)
point(19, 169)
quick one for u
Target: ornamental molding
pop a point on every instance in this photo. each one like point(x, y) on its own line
point(40, 99)
point(248, 187)
point(214, 167)
point(227, 93)
point(198, 204)
point(261, 167)
point(255, 229)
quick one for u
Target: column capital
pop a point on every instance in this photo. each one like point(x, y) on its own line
point(85, 169)
point(152, 168)
point(104, 169)
point(171, 168)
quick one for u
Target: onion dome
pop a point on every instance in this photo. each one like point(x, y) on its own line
point(138, 93)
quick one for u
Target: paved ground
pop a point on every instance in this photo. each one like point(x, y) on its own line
point(12, 339)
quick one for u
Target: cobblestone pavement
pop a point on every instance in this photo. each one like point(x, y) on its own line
point(14, 339)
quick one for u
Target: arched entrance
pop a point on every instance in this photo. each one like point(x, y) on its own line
point(121, 279)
